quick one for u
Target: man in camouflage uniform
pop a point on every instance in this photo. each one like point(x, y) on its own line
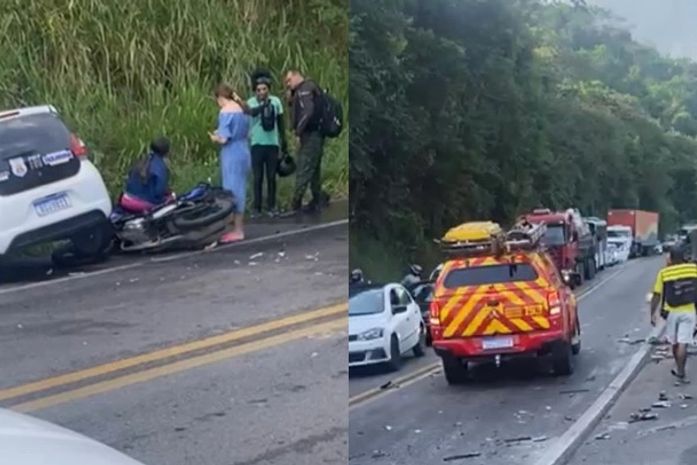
point(306, 127)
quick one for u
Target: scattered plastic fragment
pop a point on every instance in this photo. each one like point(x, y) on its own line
point(661, 404)
point(470, 455)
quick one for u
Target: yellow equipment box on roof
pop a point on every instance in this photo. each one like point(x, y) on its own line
point(481, 231)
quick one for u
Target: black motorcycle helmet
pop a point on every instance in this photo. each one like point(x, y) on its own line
point(416, 270)
point(286, 166)
point(356, 276)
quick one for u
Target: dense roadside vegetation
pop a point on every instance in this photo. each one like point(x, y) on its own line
point(125, 71)
point(473, 109)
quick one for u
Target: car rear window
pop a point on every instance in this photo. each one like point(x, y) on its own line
point(40, 133)
point(492, 274)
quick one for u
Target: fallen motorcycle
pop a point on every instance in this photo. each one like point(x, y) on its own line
point(194, 220)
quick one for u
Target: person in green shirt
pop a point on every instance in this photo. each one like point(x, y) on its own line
point(268, 140)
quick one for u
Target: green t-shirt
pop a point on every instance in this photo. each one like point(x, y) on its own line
point(258, 136)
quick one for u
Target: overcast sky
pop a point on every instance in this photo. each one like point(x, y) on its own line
point(668, 25)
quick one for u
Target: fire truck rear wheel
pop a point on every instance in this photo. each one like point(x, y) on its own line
point(455, 370)
point(576, 340)
point(563, 359)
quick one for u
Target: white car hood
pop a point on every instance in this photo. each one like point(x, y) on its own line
point(28, 441)
point(359, 324)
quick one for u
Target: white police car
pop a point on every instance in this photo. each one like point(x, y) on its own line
point(49, 190)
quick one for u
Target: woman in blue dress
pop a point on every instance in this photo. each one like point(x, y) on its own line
point(235, 160)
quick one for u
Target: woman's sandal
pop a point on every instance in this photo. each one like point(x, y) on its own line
point(232, 237)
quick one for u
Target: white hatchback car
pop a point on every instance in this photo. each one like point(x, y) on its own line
point(49, 190)
point(26, 440)
point(384, 324)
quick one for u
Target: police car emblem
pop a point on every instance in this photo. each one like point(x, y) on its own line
point(18, 167)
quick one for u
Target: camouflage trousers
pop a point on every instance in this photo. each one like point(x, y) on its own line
point(309, 168)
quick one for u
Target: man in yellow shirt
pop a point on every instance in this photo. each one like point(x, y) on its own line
point(675, 294)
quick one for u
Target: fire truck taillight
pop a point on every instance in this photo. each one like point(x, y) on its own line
point(434, 310)
point(554, 303)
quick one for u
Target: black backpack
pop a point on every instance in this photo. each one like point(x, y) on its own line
point(331, 115)
point(268, 116)
point(680, 292)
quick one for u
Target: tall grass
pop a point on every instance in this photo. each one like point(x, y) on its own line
point(123, 72)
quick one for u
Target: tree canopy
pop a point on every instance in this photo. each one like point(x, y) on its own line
point(482, 109)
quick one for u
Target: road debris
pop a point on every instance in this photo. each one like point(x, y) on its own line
point(517, 440)
point(663, 395)
point(378, 454)
point(256, 256)
point(252, 263)
point(19, 326)
point(388, 428)
point(574, 391)
point(471, 455)
point(540, 439)
point(628, 340)
point(314, 257)
point(602, 437)
point(388, 385)
point(661, 404)
point(642, 416)
point(417, 431)
point(682, 396)
point(684, 406)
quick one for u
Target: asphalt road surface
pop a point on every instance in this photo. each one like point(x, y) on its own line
point(668, 439)
point(507, 415)
point(231, 357)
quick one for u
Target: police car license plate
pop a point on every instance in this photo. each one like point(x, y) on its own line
point(52, 204)
point(492, 343)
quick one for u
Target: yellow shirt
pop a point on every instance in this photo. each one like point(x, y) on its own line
point(673, 273)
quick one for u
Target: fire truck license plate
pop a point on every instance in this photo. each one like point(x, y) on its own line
point(492, 343)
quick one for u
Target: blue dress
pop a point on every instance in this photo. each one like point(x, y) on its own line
point(235, 159)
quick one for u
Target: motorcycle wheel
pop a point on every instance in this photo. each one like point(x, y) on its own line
point(220, 208)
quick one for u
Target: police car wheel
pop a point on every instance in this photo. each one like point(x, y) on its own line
point(420, 347)
point(395, 362)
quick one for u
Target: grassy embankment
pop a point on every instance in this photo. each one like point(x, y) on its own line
point(125, 71)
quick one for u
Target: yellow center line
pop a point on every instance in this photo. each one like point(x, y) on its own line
point(179, 366)
point(406, 380)
point(172, 351)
